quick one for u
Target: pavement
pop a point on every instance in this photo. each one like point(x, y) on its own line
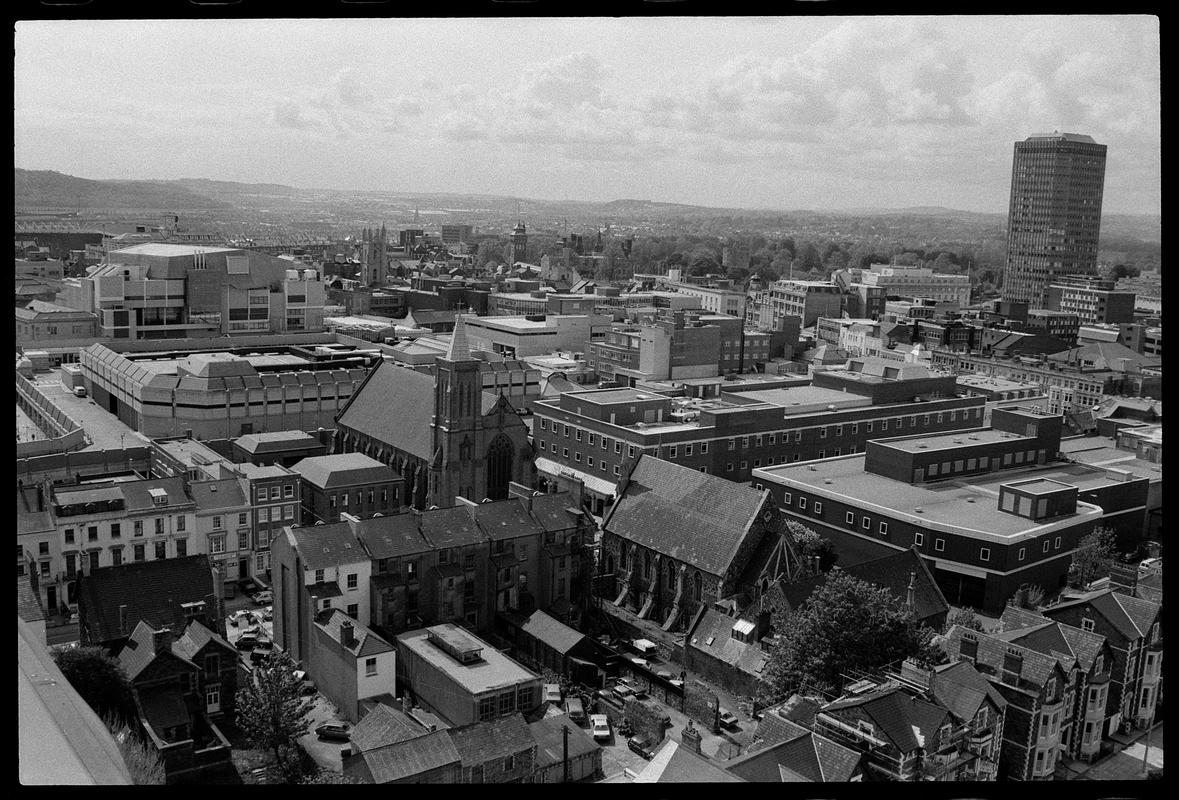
point(1127, 764)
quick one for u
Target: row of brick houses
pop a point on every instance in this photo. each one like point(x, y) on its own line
point(463, 564)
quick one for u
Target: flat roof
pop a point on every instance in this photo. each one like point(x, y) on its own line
point(793, 397)
point(493, 671)
point(1040, 486)
point(171, 250)
point(966, 505)
point(608, 396)
point(986, 382)
point(946, 441)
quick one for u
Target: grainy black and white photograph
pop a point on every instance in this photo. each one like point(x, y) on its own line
point(548, 400)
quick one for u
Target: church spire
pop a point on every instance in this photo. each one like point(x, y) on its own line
point(459, 350)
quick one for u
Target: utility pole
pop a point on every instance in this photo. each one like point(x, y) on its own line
point(565, 751)
point(1146, 751)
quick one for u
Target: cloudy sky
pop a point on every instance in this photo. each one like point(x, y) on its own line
point(787, 113)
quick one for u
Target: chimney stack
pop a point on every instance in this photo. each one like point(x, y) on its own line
point(913, 672)
point(690, 736)
point(347, 637)
point(123, 619)
point(161, 640)
point(40, 498)
point(911, 591)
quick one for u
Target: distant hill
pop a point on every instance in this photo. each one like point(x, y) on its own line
point(48, 189)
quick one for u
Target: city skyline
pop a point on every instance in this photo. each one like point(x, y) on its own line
point(885, 112)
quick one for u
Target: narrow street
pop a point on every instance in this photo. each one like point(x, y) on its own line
point(1127, 764)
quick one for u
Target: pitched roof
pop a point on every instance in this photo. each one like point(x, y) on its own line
point(677, 764)
point(194, 638)
point(405, 392)
point(324, 546)
point(1131, 616)
point(555, 512)
point(505, 519)
point(802, 756)
point(961, 689)
point(415, 756)
point(481, 742)
point(713, 635)
point(691, 516)
point(364, 641)
point(904, 719)
point(152, 591)
point(276, 441)
point(384, 726)
point(893, 571)
point(344, 469)
point(552, 632)
point(139, 652)
point(213, 495)
point(450, 527)
point(392, 536)
point(549, 746)
point(1036, 668)
point(164, 707)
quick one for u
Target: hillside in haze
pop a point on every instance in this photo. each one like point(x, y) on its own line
point(231, 201)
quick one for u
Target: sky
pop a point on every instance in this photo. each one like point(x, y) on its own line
point(778, 112)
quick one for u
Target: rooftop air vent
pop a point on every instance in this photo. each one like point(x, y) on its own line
point(922, 445)
point(826, 480)
point(812, 467)
point(919, 509)
point(831, 407)
point(969, 499)
point(956, 441)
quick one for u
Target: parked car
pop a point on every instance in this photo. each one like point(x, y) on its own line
point(575, 709)
point(677, 683)
point(268, 614)
point(727, 718)
point(261, 652)
point(623, 692)
point(337, 731)
point(664, 674)
point(641, 745)
point(246, 641)
point(600, 725)
point(262, 598)
point(552, 693)
point(307, 688)
point(79, 391)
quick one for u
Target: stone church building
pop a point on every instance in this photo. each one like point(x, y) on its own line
point(439, 430)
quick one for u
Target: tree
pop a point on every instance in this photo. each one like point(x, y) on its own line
point(964, 617)
point(1093, 557)
point(273, 713)
point(846, 624)
point(1029, 595)
point(99, 678)
point(809, 544)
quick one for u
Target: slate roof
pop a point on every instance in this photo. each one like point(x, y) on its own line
point(803, 756)
point(961, 688)
point(139, 652)
point(675, 763)
point(505, 519)
point(783, 723)
point(411, 757)
point(717, 626)
point(383, 726)
point(481, 742)
point(553, 513)
point(549, 746)
point(28, 602)
point(907, 721)
point(1037, 668)
point(344, 469)
point(324, 546)
point(450, 527)
point(210, 496)
point(194, 638)
point(392, 536)
point(28, 518)
point(365, 642)
point(1070, 645)
point(152, 591)
point(394, 405)
point(552, 632)
point(276, 442)
point(691, 516)
point(1130, 616)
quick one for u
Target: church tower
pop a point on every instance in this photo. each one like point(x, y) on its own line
point(518, 244)
point(374, 257)
point(458, 465)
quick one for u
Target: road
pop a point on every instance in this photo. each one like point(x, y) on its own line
point(1126, 765)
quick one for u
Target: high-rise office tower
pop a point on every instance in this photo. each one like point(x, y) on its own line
point(1055, 217)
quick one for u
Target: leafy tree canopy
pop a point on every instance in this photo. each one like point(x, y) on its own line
point(808, 544)
point(99, 678)
point(964, 617)
point(847, 624)
point(271, 710)
point(1093, 557)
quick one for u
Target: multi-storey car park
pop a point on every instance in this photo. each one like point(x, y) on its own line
point(992, 509)
point(592, 435)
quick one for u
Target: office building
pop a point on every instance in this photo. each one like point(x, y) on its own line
point(918, 282)
point(1091, 305)
point(1054, 220)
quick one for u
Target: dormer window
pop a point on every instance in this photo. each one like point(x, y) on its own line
point(1087, 624)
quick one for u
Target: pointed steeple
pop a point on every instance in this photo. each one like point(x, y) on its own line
point(459, 350)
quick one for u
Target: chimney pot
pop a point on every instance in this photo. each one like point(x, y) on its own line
point(347, 637)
